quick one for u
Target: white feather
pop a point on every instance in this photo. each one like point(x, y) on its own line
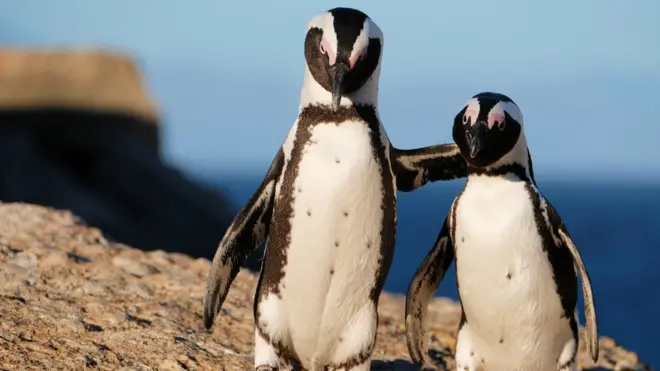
point(325, 314)
point(336, 227)
point(513, 323)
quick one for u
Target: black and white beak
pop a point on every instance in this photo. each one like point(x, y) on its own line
point(338, 72)
point(476, 137)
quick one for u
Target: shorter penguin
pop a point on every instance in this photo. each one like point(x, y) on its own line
point(516, 265)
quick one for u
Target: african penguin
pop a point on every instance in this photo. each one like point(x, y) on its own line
point(516, 265)
point(327, 208)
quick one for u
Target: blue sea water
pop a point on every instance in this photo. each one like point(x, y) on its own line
point(616, 226)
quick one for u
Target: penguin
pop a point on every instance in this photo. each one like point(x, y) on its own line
point(326, 209)
point(516, 264)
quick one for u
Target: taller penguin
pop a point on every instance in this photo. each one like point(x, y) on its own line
point(327, 208)
point(515, 261)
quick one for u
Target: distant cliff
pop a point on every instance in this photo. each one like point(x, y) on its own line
point(79, 131)
point(71, 300)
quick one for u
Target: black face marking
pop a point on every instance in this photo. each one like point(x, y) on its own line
point(348, 24)
point(495, 142)
point(345, 213)
point(494, 96)
point(501, 340)
point(508, 275)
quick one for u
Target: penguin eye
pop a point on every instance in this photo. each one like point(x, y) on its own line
point(470, 116)
point(322, 48)
point(496, 119)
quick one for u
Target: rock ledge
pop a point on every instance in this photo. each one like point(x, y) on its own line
point(71, 300)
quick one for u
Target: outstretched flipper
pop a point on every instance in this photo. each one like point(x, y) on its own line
point(422, 288)
point(247, 231)
point(414, 168)
point(559, 228)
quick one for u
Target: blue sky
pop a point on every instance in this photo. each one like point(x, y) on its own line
point(227, 76)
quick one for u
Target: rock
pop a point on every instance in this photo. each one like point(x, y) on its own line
point(103, 305)
point(79, 131)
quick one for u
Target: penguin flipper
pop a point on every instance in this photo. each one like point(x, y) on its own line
point(422, 288)
point(589, 307)
point(247, 231)
point(413, 168)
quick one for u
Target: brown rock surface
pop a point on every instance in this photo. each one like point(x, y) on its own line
point(70, 300)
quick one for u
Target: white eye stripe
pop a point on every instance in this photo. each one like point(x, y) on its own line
point(471, 112)
point(496, 117)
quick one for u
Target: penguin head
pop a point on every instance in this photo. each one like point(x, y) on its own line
point(489, 130)
point(343, 50)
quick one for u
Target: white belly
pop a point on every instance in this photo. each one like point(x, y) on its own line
point(505, 279)
point(334, 248)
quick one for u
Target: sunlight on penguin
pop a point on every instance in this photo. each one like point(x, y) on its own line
point(516, 265)
point(327, 208)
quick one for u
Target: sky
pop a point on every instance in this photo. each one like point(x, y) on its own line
point(227, 76)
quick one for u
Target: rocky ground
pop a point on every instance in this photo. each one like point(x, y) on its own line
point(70, 300)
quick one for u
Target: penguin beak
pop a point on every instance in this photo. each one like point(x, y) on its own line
point(337, 72)
point(477, 138)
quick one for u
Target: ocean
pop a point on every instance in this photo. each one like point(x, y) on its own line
point(615, 225)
